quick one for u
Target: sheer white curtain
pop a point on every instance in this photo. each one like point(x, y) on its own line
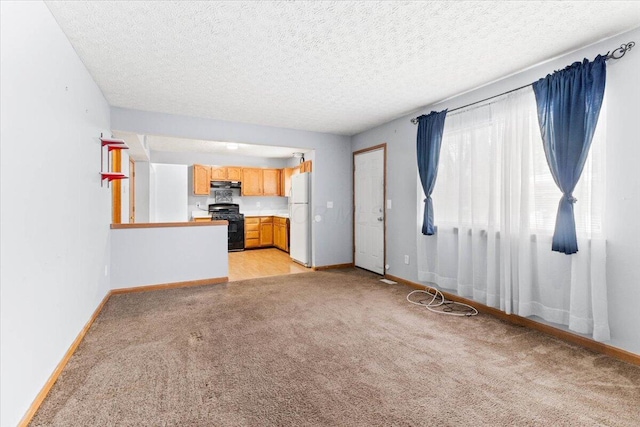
point(495, 206)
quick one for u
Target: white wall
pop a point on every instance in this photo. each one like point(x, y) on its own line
point(142, 191)
point(153, 256)
point(332, 167)
point(623, 176)
point(169, 193)
point(55, 216)
point(189, 158)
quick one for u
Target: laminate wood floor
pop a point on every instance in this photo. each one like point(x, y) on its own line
point(254, 263)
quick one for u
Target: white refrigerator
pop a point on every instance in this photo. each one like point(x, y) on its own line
point(300, 219)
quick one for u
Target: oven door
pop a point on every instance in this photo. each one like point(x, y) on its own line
point(236, 235)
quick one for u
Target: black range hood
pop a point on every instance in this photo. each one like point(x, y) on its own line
point(226, 184)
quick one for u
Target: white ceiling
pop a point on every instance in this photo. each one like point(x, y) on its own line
point(164, 143)
point(338, 67)
point(140, 147)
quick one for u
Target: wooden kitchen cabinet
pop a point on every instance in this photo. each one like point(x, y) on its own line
point(285, 181)
point(234, 173)
point(260, 182)
point(251, 182)
point(218, 174)
point(201, 180)
point(258, 232)
point(251, 232)
point(226, 173)
point(266, 231)
point(202, 219)
point(306, 166)
point(281, 233)
point(255, 181)
point(270, 182)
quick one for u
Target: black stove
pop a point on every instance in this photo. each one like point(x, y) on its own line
point(230, 212)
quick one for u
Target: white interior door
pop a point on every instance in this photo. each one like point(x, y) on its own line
point(369, 210)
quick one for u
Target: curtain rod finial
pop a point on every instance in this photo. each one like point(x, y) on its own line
point(619, 52)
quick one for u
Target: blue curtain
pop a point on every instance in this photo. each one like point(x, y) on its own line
point(569, 104)
point(429, 138)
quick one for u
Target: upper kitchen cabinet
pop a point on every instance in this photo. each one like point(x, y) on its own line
point(287, 173)
point(218, 174)
point(201, 180)
point(252, 182)
point(271, 182)
point(234, 173)
point(227, 173)
point(260, 182)
point(285, 181)
point(305, 166)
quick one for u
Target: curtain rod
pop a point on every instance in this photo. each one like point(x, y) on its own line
point(616, 54)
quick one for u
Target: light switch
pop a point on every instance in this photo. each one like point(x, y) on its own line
point(329, 205)
point(389, 204)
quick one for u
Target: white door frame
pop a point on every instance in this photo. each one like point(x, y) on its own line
point(382, 146)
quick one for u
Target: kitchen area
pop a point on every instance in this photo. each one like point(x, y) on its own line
point(266, 207)
point(261, 193)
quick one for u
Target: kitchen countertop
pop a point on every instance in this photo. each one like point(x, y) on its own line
point(167, 224)
point(266, 212)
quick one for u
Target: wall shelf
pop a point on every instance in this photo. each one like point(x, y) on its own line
point(111, 144)
point(112, 141)
point(113, 175)
point(111, 147)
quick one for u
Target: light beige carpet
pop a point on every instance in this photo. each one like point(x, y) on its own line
point(335, 348)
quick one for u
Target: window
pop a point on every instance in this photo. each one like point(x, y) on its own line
point(493, 171)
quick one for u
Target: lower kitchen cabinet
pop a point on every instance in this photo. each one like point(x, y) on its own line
point(281, 233)
point(252, 232)
point(202, 219)
point(266, 231)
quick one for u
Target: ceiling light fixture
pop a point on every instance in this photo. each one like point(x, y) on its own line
point(232, 146)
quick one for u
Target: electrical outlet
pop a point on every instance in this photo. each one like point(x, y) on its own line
point(406, 259)
point(329, 205)
point(106, 271)
point(257, 204)
point(389, 204)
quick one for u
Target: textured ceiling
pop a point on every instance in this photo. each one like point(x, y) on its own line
point(338, 67)
point(140, 147)
point(163, 143)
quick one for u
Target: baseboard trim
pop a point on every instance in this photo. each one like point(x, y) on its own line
point(31, 412)
point(585, 342)
point(334, 266)
point(173, 285)
point(63, 363)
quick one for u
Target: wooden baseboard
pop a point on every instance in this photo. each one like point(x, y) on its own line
point(74, 346)
point(63, 363)
point(582, 341)
point(145, 288)
point(334, 266)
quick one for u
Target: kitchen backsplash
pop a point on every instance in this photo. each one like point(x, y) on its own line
point(253, 205)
